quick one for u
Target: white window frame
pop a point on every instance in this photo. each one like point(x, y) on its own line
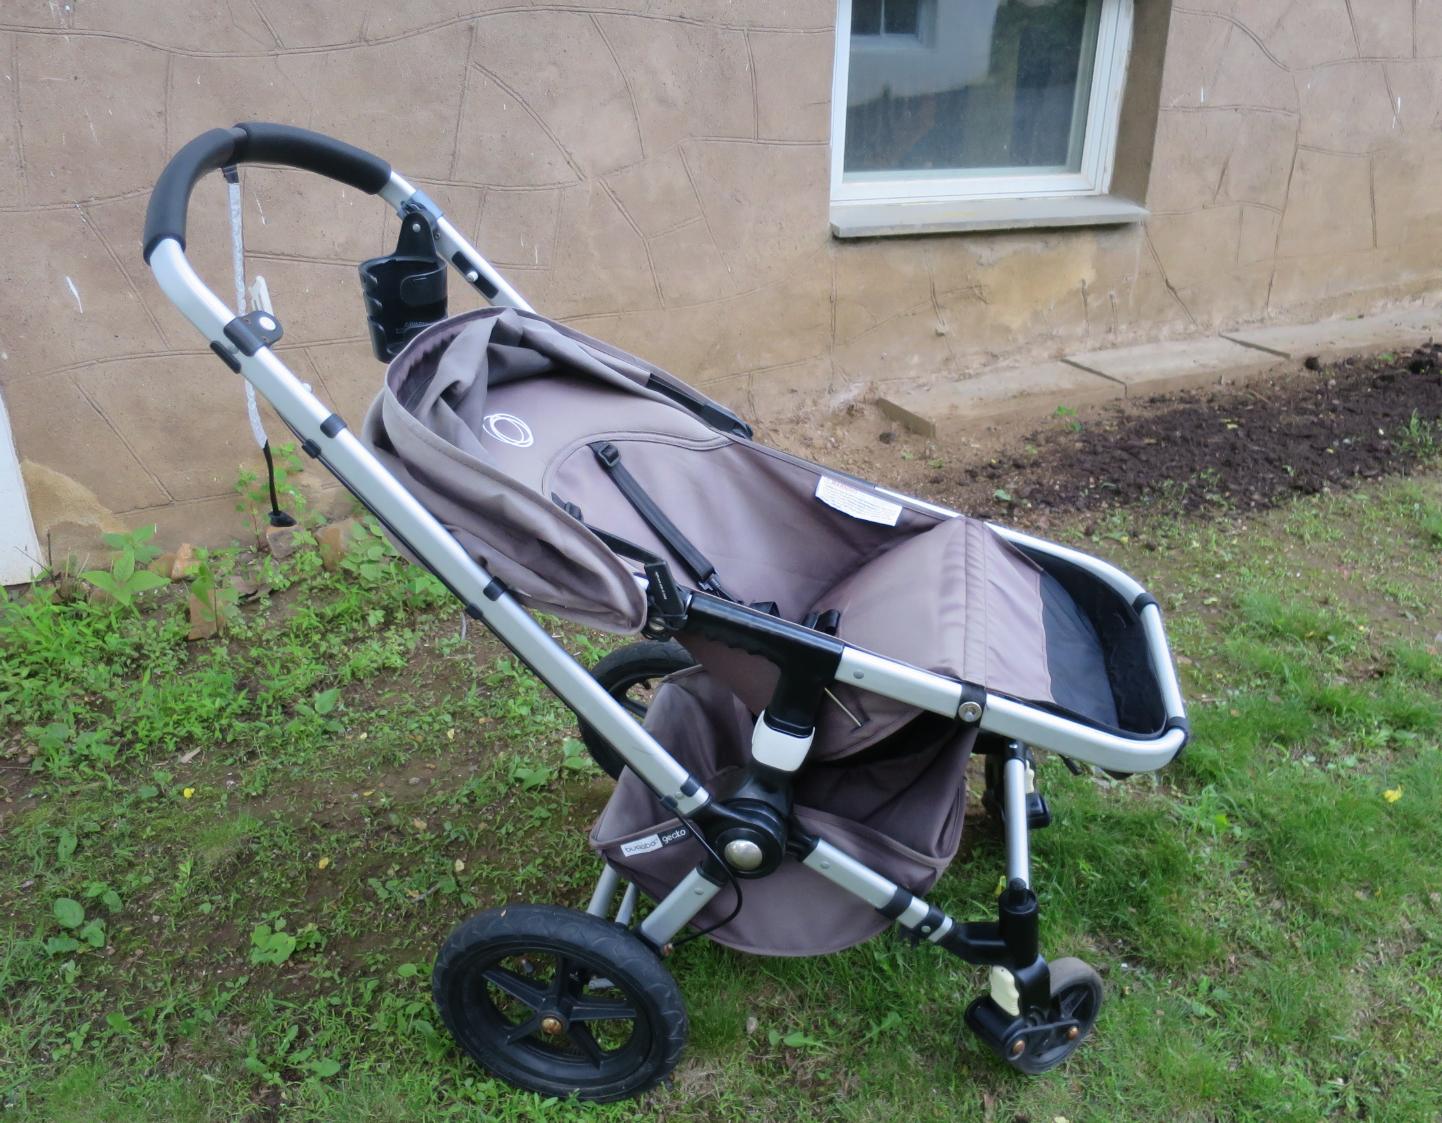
point(1099, 145)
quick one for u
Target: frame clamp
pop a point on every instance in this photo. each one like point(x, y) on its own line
point(253, 331)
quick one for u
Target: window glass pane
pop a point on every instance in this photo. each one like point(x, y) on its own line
point(865, 17)
point(899, 17)
point(968, 87)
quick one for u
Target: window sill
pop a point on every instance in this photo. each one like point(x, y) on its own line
point(890, 219)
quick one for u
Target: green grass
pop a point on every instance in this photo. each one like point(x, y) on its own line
point(268, 834)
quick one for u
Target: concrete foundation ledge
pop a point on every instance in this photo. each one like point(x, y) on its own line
point(1085, 378)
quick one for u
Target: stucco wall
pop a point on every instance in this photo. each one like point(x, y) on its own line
point(655, 172)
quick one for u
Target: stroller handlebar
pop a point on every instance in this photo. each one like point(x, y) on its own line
point(253, 142)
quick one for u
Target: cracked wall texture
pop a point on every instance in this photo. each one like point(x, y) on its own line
point(653, 172)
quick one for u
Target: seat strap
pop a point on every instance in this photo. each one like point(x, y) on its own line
point(669, 533)
point(613, 542)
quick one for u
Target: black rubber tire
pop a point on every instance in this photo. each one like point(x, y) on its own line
point(637, 664)
point(1076, 992)
point(585, 948)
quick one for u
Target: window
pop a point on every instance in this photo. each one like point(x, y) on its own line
point(974, 100)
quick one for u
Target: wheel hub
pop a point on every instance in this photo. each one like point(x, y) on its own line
point(552, 1025)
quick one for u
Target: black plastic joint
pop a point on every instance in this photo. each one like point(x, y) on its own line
point(253, 331)
point(332, 425)
point(799, 844)
point(226, 357)
point(475, 613)
point(425, 204)
point(1144, 598)
point(930, 922)
point(488, 288)
point(310, 448)
point(973, 703)
point(799, 729)
point(1178, 723)
point(495, 590)
point(899, 903)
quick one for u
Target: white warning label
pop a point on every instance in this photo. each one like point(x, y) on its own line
point(856, 502)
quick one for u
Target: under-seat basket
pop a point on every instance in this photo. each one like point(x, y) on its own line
point(898, 809)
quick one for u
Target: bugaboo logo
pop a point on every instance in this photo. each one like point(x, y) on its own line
point(508, 429)
point(653, 842)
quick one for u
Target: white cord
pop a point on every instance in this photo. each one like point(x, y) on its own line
point(237, 261)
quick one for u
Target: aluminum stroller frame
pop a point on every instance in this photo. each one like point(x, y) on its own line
point(1032, 1018)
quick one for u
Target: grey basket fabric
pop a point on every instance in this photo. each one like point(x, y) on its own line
point(901, 814)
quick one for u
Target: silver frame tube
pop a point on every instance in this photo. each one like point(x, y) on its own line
point(606, 886)
point(1018, 840)
point(678, 908)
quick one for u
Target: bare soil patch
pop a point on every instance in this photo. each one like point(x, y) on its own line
point(1245, 447)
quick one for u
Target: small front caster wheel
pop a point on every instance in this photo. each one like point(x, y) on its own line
point(1041, 1039)
point(560, 1002)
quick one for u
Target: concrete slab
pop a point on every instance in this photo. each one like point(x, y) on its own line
point(1334, 339)
point(1156, 368)
point(944, 407)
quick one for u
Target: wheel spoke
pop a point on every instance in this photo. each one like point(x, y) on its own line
point(586, 1042)
point(517, 987)
point(1070, 1002)
point(523, 1029)
point(601, 1010)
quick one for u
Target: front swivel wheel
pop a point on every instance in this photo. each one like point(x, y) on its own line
point(1038, 1041)
point(560, 1002)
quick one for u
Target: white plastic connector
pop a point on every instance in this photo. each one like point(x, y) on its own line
point(1004, 991)
point(776, 749)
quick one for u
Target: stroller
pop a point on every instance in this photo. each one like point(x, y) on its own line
point(829, 653)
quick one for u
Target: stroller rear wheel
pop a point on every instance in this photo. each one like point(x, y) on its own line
point(629, 675)
point(560, 1002)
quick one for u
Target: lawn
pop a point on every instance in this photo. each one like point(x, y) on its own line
point(226, 864)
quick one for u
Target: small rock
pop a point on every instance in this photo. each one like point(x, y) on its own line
point(1311, 362)
point(69, 589)
point(205, 619)
point(245, 589)
point(281, 541)
point(334, 542)
point(887, 437)
point(163, 565)
point(186, 564)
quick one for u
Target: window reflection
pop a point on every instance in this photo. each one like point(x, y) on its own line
point(973, 87)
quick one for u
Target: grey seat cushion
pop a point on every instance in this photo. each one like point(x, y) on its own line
point(960, 600)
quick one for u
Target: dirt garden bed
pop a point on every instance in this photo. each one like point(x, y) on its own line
point(1222, 448)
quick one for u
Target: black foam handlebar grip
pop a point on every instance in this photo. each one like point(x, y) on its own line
point(253, 142)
